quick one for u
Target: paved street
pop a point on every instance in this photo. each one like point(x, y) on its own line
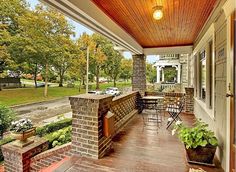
point(44, 112)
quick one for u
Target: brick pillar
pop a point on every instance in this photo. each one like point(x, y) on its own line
point(139, 73)
point(17, 159)
point(87, 125)
point(189, 102)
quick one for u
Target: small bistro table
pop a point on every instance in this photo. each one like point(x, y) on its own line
point(151, 103)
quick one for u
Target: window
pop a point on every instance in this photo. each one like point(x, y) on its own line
point(202, 77)
point(211, 74)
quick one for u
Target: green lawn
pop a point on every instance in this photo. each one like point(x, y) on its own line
point(18, 96)
point(28, 95)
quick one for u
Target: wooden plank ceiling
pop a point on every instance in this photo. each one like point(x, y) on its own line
point(180, 25)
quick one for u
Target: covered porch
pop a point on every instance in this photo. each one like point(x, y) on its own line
point(200, 29)
point(138, 149)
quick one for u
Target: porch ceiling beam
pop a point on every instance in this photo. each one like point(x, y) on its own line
point(88, 14)
point(169, 50)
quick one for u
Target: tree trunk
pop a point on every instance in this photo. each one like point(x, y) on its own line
point(97, 78)
point(83, 80)
point(35, 75)
point(1, 134)
point(114, 82)
point(61, 75)
point(46, 81)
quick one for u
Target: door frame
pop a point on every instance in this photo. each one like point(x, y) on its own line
point(232, 99)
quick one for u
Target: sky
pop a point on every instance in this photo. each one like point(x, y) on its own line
point(79, 29)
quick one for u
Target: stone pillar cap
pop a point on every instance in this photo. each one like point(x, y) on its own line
point(92, 96)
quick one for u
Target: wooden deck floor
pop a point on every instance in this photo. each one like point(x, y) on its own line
point(138, 149)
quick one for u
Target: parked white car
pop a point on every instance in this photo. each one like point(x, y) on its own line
point(96, 92)
point(113, 91)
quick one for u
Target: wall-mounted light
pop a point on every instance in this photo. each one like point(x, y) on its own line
point(157, 12)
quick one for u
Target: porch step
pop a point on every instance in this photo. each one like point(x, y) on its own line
point(66, 164)
point(55, 165)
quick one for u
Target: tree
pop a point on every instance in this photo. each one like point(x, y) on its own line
point(151, 73)
point(10, 11)
point(126, 69)
point(99, 47)
point(79, 63)
point(40, 40)
point(6, 117)
point(113, 64)
point(65, 54)
point(170, 74)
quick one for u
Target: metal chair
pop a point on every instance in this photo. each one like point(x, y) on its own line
point(174, 109)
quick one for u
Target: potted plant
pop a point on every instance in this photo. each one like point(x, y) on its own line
point(200, 142)
point(22, 129)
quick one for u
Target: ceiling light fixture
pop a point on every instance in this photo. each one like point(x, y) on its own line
point(157, 12)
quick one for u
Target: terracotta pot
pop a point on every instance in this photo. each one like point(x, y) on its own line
point(202, 154)
point(23, 136)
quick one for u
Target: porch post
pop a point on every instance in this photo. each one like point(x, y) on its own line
point(88, 112)
point(179, 72)
point(139, 73)
point(158, 74)
point(163, 75)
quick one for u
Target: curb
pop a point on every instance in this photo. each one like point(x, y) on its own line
point(40, 102)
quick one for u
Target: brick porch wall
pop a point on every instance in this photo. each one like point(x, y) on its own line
point(87, 132)
point(87, 137)
point(87, 124)
point(189, 98)
point(17, 159)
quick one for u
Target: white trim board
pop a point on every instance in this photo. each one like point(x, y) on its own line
point(88, 14)
point(169, 50)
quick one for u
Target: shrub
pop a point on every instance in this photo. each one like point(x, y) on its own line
point(3, 142)
point(59, 137)
point(6, 117)
point(49, 128)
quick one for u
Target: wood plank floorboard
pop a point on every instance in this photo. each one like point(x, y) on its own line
point(137, 149)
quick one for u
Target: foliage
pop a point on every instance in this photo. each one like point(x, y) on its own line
point(49, 128)
point(4, 141)
point(10, 11)
point(6, 117)
point(21, 125)
point(195, 136)
point(99, 45)
point(59, 137)
point(151, 73)
point(9, 14)
point(44, 38)
point(113, 65)
point(126, 69)
point(78, 67)
point(170, 74)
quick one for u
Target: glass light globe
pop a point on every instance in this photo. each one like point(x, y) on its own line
point(157, 14)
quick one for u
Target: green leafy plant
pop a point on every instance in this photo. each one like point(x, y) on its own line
point(198, 135)
point(6, 117)
point(59, 137)
point(49, 128)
